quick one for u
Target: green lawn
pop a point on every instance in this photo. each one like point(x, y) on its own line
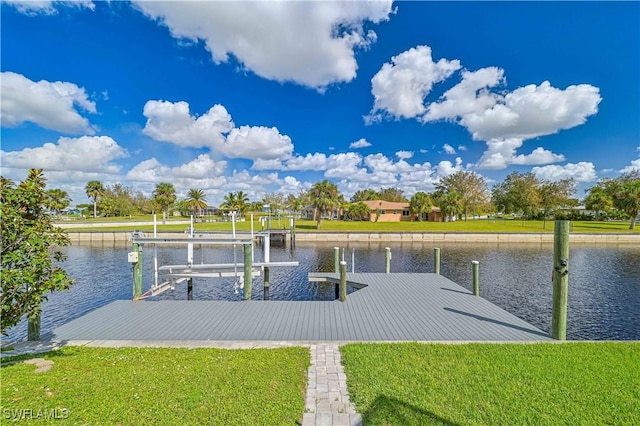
point(144, 386)
point(495, 384)
point(510, 225)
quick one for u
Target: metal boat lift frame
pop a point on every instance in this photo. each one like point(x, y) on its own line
point(181, 273)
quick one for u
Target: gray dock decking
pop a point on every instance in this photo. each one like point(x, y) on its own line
point(391, 307)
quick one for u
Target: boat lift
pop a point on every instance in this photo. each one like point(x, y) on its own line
point(244, 271)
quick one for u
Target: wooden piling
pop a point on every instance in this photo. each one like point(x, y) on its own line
point(248, 266)
point(33, 329)
point(137, 271)
point(336, 259)
point(475, 266)
point(293, 232)
point(190, 289)
point(343, 281)
point(387, 263)
point(266, 283)
point(436, 260)
point(560, 279)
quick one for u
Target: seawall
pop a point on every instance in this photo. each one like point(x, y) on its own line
point(383, 237)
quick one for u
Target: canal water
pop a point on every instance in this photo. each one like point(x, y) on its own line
point(604, 286)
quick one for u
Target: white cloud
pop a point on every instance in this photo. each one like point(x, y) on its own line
point(581, 172)
point(537, 156)
point(360, 143)
point(399, 88)
point(310, 43)
point(203, 167)
point(533, 111)
point(501, 153)
point(446, 168)
point(634, 166)
point(502, 119)
point(404, 155)
point(91, 154)
point(379, 163)
point(462, 148)
point(257, 143)
point(449, 149)
point(317, 162)
point(291, 185)
point(423, 151)
point(49, 105)
point(172, 122)
point(469, 96)
point(343, 165)
point(47, 7)
point(524, 113)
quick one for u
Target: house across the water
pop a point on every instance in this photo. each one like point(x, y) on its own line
point(386, 211)
point(383, 211)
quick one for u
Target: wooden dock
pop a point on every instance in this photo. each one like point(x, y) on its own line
point(387, 307)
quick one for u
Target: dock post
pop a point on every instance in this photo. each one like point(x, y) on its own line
point(343, 281)
point(336, 259)
point(475, 266)
point(137, 271)
point(248, 267)
point(293, 232)
point(266, 283)
point(190, 289)
point(33, 330)
point(560, 279)
point(387, 263)
point(436, 260)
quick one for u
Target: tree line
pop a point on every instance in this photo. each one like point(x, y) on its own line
point(461, 194)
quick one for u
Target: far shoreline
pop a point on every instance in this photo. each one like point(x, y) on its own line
point(384, 237)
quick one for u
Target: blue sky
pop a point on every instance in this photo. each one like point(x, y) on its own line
point(272, 97)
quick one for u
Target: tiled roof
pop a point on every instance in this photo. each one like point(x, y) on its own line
point(386, 205)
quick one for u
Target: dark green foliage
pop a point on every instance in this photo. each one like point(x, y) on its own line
point(324, 198)
point(393, 195)
point(164, 196)
point(359, 211)
point(29, 242)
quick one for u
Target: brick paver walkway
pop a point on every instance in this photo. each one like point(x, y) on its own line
point(327, 397)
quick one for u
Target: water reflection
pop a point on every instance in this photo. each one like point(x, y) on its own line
point(604, 288)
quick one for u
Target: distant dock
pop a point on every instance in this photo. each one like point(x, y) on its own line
point(386, 307)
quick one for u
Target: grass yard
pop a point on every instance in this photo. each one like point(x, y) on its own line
point(491, 226)
point(176, 386)
point(495, 384)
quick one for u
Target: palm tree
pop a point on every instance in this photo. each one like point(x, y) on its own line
point(57, 200)
point(324, 196)
point(236, 201)
point(196, 200)
point(242, 202)
point(359, 211)
point(164, 196)
point(94, 190)
point(230, 202)
point(451, 204)
point(420, 204)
